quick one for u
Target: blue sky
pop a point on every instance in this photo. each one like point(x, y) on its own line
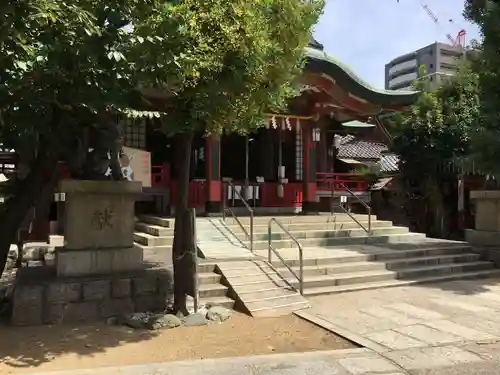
point(366, 34)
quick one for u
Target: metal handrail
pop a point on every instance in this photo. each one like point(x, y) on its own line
point(368, 208)
point(271, 250)
point(196, 287)
point(248, 235)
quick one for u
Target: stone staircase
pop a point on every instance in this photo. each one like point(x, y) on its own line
point(339, 256)
point(155, 235)
point(260, 288)
point(224, 260)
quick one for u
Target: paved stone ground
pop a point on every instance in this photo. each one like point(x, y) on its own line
point(471, 360)
point(416, 316)
point(448, 328)
point(441, 328)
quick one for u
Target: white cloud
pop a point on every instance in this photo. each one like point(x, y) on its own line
point(366, 34)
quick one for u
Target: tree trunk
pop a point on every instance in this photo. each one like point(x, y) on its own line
point(41, 172)
point(183, 245)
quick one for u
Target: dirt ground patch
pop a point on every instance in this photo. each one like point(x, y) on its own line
point(33, 349)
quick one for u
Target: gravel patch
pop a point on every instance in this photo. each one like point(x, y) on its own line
point(46, 348)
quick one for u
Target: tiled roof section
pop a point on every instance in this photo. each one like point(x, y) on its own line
point(320, 62)
point(350, 147)
point(366, 151)
point(389, 162)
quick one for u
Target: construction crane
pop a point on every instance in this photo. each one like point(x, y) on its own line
point(459, 40)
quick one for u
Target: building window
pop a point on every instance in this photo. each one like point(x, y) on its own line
point(401, 66)
point(134, 133)
point(431, 66)
point(445, 52)
point(408, 77)
point(448, 66)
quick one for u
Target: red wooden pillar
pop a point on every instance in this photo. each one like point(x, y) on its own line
point(322, 152)
point(213, 175)
point(310, 204)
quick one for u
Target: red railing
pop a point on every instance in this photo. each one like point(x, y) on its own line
point(353, 181)
point(160, 175)
point(63, 171)
point(196, 196)
point(254, 192)
point(292, 195)
point(266, 194)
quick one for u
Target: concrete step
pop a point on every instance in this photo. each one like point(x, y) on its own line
point(393, 283)
point(351, 267)
point(208, 278)
point(277, 311)
point(354, 232)
point(392, 265)
point(206, 266)
point(347, 254)
point(342, 240)
point(346, 278)
point(267, 292)
point(296, 219)
point(266, 307)
point(153, 230)
point(263, 302)
point(223, 251)
point(385, 275)
point(159, 255)
point(212, 290)
point(297, 227)
point(218, 300)
point(157, 220)
point(150, 240)
point(257, 287)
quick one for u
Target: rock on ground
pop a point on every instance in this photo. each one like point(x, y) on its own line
point(218, 314)
point(154, 321)
point(194, 320)
point(148, 320)
point(163, 321)
point(137, 320)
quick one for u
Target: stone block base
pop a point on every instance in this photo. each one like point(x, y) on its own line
point(311, 208)
point(71, 263)
point(482, 237)
point(487, 243)
point(213, 208)
point(42, 298)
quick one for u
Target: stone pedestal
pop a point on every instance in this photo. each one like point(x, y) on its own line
point(98, 273)
point(486, 235)
point(487, 221)
point(98, 228)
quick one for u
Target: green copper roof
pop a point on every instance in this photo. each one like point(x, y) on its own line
point(320, 62)
point(357, 124)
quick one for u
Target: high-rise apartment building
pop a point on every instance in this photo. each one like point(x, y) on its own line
point(439, 59)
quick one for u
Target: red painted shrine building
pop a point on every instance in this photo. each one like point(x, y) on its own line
point(291, 163)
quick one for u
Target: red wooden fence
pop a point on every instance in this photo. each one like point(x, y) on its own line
point(340, 181)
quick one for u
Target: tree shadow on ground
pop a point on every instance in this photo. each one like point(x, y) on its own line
point(33, 346)
point(468, 287)
point(24, 347)
point(466, 281)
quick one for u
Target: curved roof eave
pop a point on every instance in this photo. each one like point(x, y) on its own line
point(320, 62)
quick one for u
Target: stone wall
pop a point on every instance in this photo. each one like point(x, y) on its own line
point(41, 298)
